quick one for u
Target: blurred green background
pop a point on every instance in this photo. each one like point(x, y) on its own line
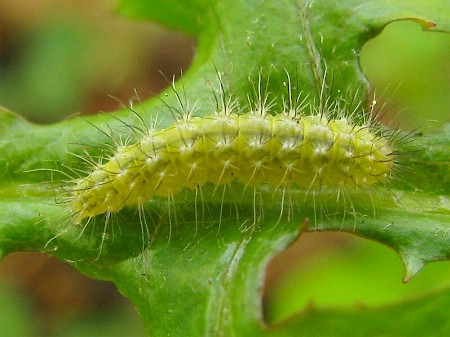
point(59, 59)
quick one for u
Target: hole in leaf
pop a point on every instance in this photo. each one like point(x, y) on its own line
point(341, 270)
point(409, 69)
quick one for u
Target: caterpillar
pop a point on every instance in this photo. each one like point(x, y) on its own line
point(252, 148)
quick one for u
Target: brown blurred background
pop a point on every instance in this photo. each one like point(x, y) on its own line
point(62, 58)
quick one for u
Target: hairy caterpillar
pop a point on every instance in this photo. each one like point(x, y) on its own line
point(252, 148)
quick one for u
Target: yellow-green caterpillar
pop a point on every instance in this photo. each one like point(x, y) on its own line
point(251, 148)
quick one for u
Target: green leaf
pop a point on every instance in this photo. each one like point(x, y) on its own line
point(203, 269)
